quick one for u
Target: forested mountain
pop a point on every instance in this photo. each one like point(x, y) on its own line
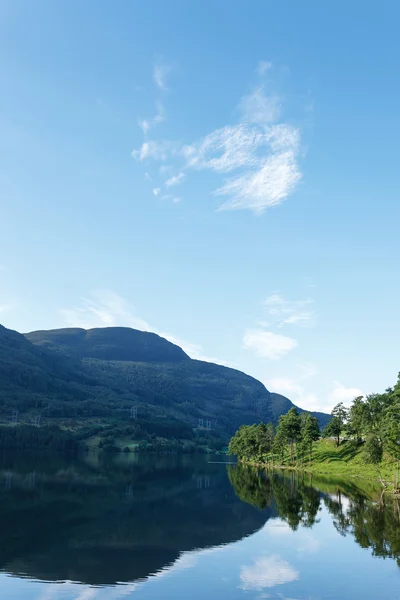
point(100, 375)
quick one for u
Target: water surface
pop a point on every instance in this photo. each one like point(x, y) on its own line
point(134, 526)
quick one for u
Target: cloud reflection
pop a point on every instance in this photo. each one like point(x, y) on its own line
point(267, 572)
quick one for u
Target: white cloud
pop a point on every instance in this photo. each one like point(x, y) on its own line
point(259, 108)
point(262, 152)
point(158, 150)
point(340, 393)
point(267, 572)
point(226, 149)
point(266, 344)
point(263, 188)
point(144, 125)
point(160, 74)
point(296, 392)
point(105, 308)
point(277, 527)
point(156, 191)
point(175, 180)
point(289, 312)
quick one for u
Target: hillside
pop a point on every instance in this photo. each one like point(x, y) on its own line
point(96, 377)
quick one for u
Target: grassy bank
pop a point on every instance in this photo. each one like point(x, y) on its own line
point(345, 460)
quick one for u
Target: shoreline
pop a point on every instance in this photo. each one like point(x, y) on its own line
point(320, 469)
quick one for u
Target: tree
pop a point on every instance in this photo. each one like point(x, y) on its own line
point(290, 427)
point(356, 419)
point(336, 424)
point(252, 442)
point(310, 432)
point(279, 445)
point(373, 450)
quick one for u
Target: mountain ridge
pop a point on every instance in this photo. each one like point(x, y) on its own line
point(99, 376)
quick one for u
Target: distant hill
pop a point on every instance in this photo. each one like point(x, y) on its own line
point(96, 377)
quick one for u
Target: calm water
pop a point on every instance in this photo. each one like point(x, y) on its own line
point(184, 528)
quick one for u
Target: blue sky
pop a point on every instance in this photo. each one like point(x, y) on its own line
point(225, 174)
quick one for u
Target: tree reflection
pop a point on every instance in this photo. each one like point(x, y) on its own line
point(297, 498)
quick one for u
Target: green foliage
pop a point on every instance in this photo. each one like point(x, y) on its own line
point(371, 428)
point(252, 442)
point(373, 450)
point(289, 429)
point(260, 443)
point(310, 433)
point(336, 425)
point(34, 438)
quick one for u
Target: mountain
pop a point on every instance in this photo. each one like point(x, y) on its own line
point(97, 377)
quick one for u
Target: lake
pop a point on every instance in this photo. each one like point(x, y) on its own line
point(182, 527)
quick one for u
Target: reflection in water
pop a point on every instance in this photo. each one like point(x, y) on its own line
point(374, 523)
point(107, 519)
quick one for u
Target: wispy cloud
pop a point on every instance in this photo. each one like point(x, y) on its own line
point(264, 66)
point(267, 572)
point(296, 391)
point(259, 108)
point(171, 198)
point(266, 344)
point(161, 72)
point(158, 150)
point(341, 393)
point(156, 191)
point(175, 180)
point(105, 308)
point(259, 151)
point(289, 312)
point(160, 116)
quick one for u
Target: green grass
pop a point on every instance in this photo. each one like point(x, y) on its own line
point(345, 460)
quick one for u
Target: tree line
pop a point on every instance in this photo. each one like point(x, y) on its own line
point(372, 422)
point(291, 440)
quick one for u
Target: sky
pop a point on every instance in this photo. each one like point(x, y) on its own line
point(222, 173)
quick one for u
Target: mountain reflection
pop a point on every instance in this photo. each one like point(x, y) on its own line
point(103, 520)
point(372, 518)
point(114, 519)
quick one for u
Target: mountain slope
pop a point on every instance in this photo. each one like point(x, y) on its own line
point(96, 377)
